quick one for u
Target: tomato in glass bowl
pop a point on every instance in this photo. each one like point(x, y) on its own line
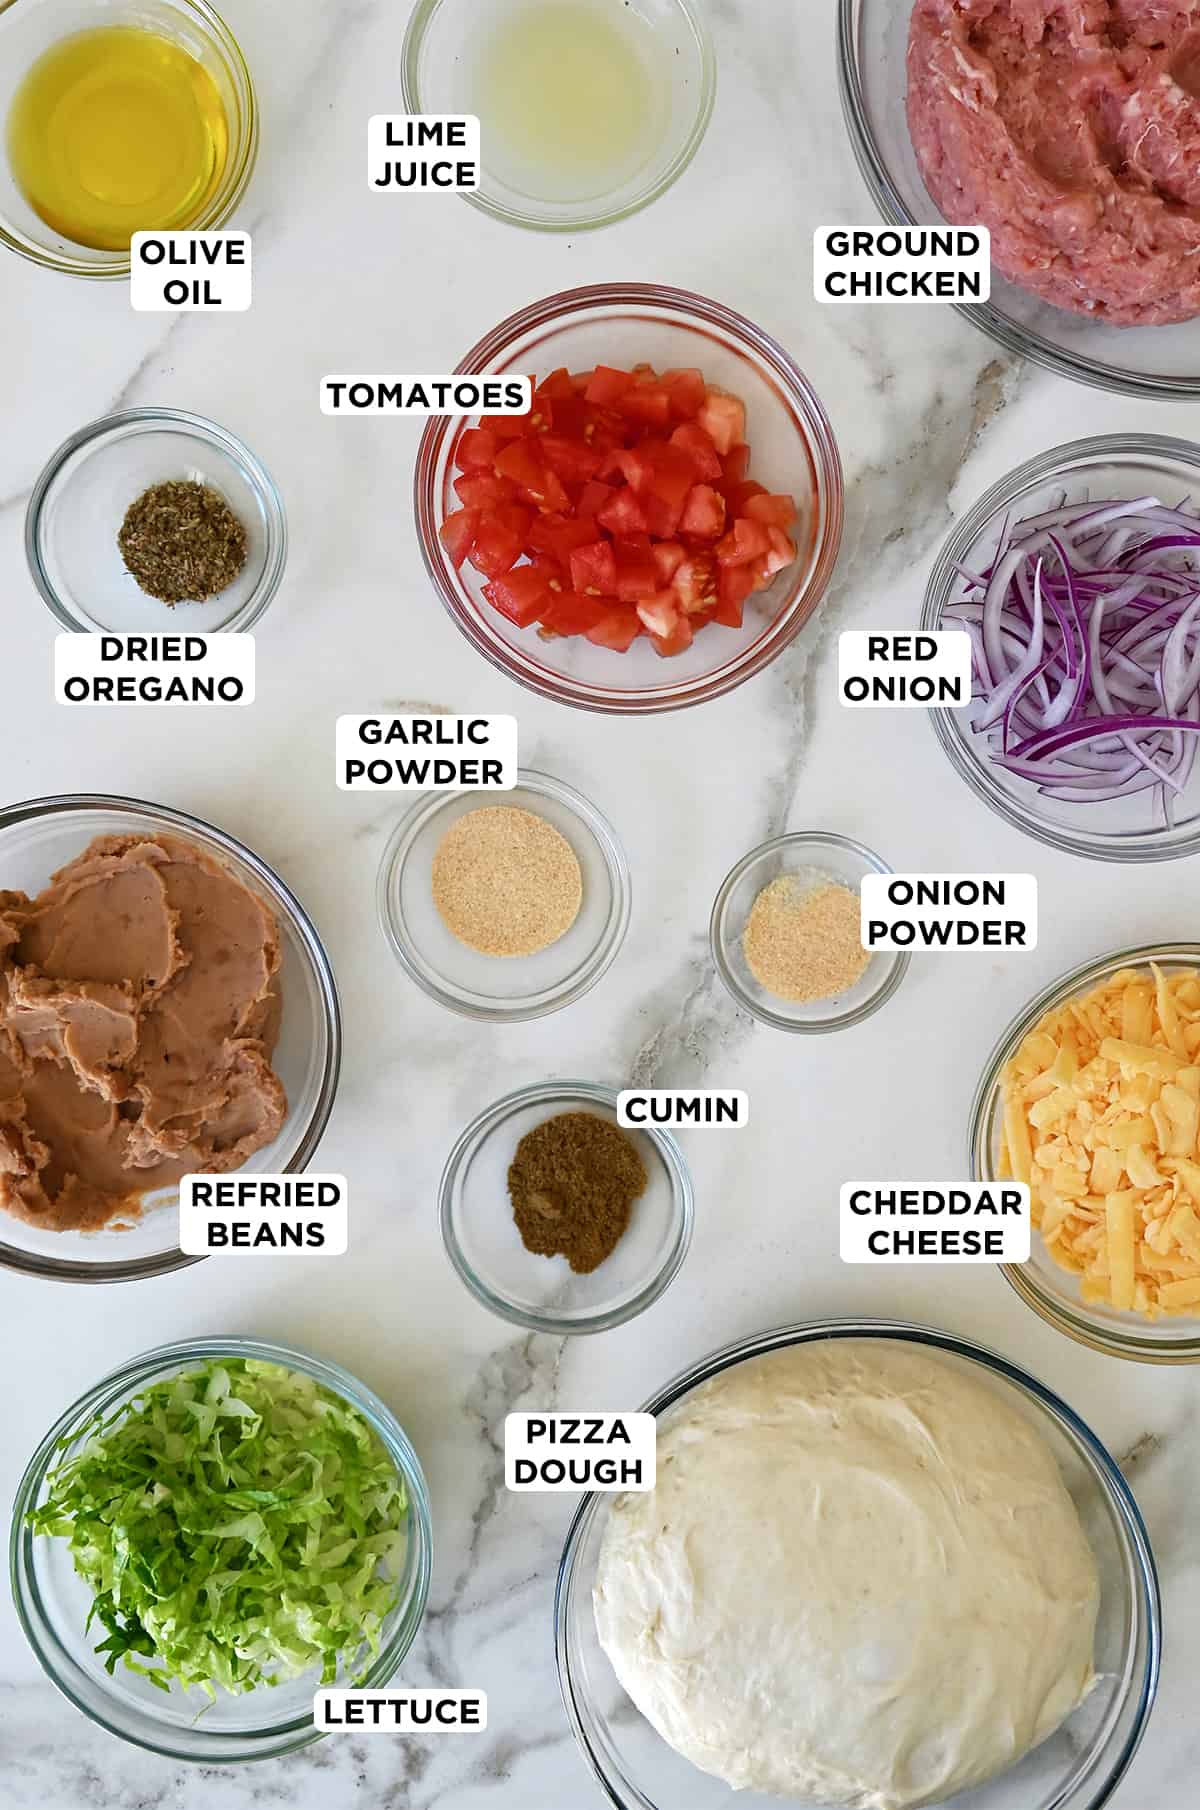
point(615, 335)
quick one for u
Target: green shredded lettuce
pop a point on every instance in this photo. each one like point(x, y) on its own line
point(238, 1525)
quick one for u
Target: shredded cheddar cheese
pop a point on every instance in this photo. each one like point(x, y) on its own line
point(1101, 1116)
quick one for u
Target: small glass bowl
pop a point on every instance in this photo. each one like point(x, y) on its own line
point(1155, 362)
point(543, 1293)
point(52, 1602)
point(1076, 1769)
point(1109, 465)
point(793, 450)
point(39, 837)
point(1054, 1292)
point(442, 48)
point(824, 856)
point(79, 503)
point(496, 988)
point(27, 30)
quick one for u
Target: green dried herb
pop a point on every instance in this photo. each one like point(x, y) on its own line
point(182, 542)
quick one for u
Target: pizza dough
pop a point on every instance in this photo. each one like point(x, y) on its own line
point(860, 1580)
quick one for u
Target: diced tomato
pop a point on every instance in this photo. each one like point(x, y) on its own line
point(662, 517)
point(619, 628)
point(558, 387)
point(476, 450)
point(671, 471)
point(646, 403)
point(495, 549)
point(593, 498)
point(659, 613)
point(516, 518)
point(734, 585)
point(781, 553)
point(571, 460)
point(745, 541)
point(570, 614)
point(695, 583)
point(594, 570)
point(624, 514)
point(693, 441)
point(621, 503)
point(735, 464)
point(703, 513)
point(772, 511)
point(521, 462)
point(723, 419)
point(606, 386)
point(521, 595)
point(637, 573)
point(687, 390)
point(505, 427)
point(457, 533)
point(669, 555)
point(559, 537)
point(482, 490)
point(739, 496)
point(677, 642)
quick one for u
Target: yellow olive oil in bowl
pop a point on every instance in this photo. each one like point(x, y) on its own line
point(117, 130)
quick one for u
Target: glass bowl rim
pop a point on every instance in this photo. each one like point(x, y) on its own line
point(1075, 1321)
point(577, 1093)
point(423, 16)
point(726, 1357)
point(944, 575)
point(148, 420)
point(983, 315)
point(588, 971)
point(237, 177)
point(187, 823)
point(821, 447)
point(122, 1384)
point(794, 840)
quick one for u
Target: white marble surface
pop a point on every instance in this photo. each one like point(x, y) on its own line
point(926, 416)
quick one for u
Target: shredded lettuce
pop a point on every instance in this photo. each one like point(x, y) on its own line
point(238, 1525)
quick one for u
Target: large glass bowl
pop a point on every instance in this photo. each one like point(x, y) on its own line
point(1054, 1292)
point(442, 47)
point(1076, 1769)
point(52, 1602)
point(30, 28)
point(793, 449)
point(41, 836)
point(1109, 465)
point(1138, 361)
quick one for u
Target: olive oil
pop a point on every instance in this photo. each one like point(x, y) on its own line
point(114, 131)
point(570, 97)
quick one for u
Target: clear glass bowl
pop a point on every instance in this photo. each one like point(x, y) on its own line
point(543, 1293)
point(30, 28)
point(1161, 362)
point(1110, 465)
point(37, 838)
point(442, 51)
point(504, 989)
point(52, 1602)
point(1076, 1769)
point(1051, 1291)
point(793, 449)
point(79, 502)
point(822, 856)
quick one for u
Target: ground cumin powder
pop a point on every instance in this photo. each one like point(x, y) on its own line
point(573, 1182)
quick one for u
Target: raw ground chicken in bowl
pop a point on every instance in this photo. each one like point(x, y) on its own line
point(669, 373)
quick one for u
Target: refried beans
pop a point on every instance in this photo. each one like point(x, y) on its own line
point(139, 1007)
point(1071, 129)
